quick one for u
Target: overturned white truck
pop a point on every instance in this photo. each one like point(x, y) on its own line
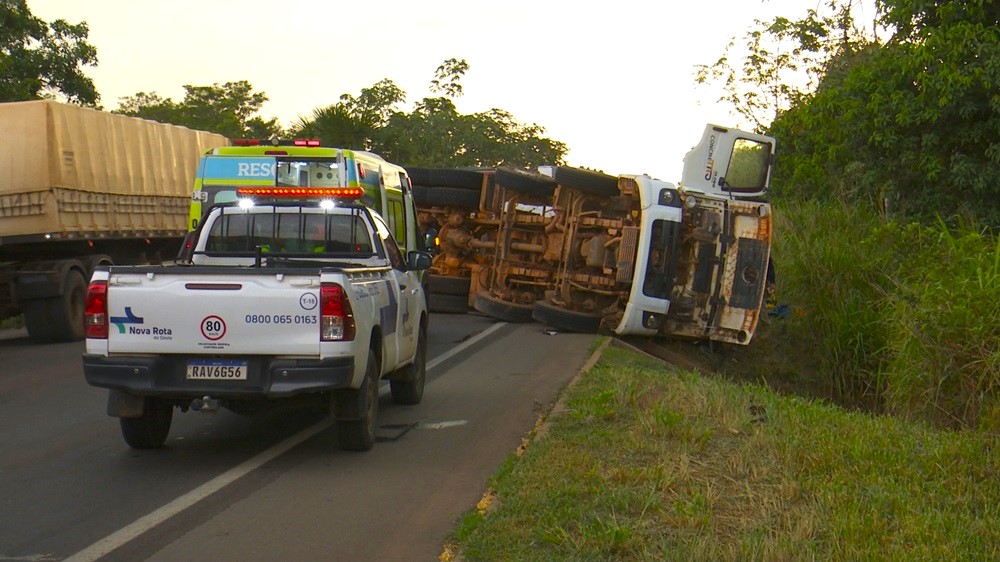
point(579, 249)
point(654, 258)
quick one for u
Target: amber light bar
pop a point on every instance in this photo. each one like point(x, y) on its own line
point(300, 192)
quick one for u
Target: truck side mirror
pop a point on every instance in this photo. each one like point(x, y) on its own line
point(418, 261)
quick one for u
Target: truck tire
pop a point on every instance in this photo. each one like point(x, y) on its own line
point(409, 389)
point(528, 183)
point(587, 181)
point(148, 431)
point(359, 434)
point(567, 320)
point(449, 285)
point(445, 197)
point(58, 319)
point(502, 310)
point(446, 177)
point(448, 304)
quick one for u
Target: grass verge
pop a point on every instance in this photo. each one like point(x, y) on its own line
point(650, 463)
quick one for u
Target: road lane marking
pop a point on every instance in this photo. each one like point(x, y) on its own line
point(126, 534)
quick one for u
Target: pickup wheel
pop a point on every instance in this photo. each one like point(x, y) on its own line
point(148, 431)
point(568, 320)
point(359, 434)
point(409, 389)
point(502, 310)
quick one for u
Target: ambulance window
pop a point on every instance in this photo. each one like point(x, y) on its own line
point(391, 249)
point(397, 224)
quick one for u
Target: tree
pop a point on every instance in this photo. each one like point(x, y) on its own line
point(229, 109)
point(433, 133)
point(910, 124)
point(40, 60)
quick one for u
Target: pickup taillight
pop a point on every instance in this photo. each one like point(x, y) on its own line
point(95, 317)
point(336, 317)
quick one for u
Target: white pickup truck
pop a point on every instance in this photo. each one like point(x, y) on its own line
point(270, 302)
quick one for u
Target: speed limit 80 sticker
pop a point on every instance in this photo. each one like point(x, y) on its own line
point(213, 328)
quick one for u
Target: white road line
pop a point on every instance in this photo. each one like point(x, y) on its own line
point(124, 535)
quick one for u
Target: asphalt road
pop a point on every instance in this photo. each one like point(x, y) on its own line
point(271, 487)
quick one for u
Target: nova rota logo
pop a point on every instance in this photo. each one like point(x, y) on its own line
point(129, 318)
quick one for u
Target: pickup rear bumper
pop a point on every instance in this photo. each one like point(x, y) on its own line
point(166, 376)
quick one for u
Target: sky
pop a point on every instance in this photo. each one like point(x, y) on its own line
point(614, 80)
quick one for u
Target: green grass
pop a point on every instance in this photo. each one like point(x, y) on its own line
point(648, 463)
point(12, 322)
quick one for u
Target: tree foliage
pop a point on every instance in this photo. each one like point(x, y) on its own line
point(433, 133)
point(910, 123)
point(229, 109)
point(40, 60)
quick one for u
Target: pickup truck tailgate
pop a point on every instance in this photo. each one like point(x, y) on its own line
point(260, 314)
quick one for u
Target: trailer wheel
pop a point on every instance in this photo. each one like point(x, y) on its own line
point(409, 389)
point(449, 285)
point(568, 320)
point(502, 310)
point(448, 304)
point(445, 177)
point(148, 431)
point(359, 434)
point(58, 319)
point(587, 181)
point(528, 183)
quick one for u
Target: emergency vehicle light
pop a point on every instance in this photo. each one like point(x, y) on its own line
point(306, 142)
point(300, 192)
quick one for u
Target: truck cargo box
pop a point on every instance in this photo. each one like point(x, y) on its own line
point(70, 172)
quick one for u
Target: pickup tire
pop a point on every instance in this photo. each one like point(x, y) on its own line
point(359, 434)
point(148, 431)
point(502, 310)
point(587, 181)
point(568, 320)
point(408, 389)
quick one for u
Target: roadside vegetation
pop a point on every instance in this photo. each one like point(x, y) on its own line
point(654, 463)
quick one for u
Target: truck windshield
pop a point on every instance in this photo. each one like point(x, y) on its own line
point(309, 234)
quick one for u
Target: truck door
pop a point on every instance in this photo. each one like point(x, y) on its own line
point(731, 163)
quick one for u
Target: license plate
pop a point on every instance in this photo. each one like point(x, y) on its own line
point(217, 370)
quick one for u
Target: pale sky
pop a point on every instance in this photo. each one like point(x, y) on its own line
point(614, 80)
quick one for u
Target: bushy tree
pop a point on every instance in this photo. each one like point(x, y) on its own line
point(40, 60)
point(433, 133)
point(229, 109)
point(909, 123)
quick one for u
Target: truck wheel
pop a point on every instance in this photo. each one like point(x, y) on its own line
point(448, 304)
point(449, 285)
point(502, 310)
point(587, 181)
point(359, 434)
point(410, 388)
point(445, 177)
point(148, 431)
point(58, 319)
point(568, 320)
point(528, 183)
